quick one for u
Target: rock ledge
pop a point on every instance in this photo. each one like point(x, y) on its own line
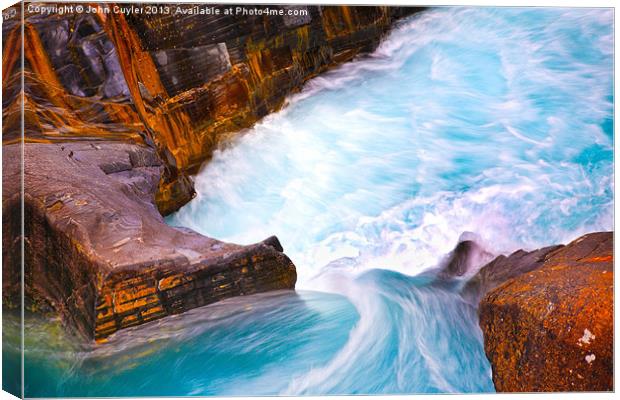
point(99, 254)
point(548, 317)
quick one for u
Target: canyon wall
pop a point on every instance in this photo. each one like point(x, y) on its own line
point(176, 80)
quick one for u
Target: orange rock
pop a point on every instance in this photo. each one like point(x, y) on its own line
point(551, 329)
point(180, 83)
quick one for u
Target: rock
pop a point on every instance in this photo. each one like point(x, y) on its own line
point(502, 269)
point(99, 254)
point(467, 254)
point(549, 325)
point(183, 82)
point(273, 241)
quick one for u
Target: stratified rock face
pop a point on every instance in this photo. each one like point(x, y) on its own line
point(99, 254)
point(195, 79)
point(119, 110)
point(175, 79)
point(550, 328)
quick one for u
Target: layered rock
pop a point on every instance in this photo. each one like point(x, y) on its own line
point(179, 81)
point(99, 254)
point(547, 317)
point(118, 111)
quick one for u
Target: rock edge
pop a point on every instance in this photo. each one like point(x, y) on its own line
point(547, 317)
point(99, 254)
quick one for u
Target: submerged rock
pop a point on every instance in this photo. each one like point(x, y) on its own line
point(467, 254)
point(99, 254)
point(548, 317)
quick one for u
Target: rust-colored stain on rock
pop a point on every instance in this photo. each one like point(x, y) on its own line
point(183, 83)
point(551, 329)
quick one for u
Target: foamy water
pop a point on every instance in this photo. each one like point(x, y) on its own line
point(494, 121)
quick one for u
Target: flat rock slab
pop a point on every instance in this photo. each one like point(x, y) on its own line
point(99, 254)
point(550, 328)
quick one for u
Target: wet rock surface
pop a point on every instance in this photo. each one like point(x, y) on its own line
point(177, 80)
point(99, 254)
point(467, 254)
point(503, 268)
point(547, 317)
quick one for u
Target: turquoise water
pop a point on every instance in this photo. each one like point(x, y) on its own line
point(496, 122)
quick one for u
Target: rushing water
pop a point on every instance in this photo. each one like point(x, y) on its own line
point(492, 121)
